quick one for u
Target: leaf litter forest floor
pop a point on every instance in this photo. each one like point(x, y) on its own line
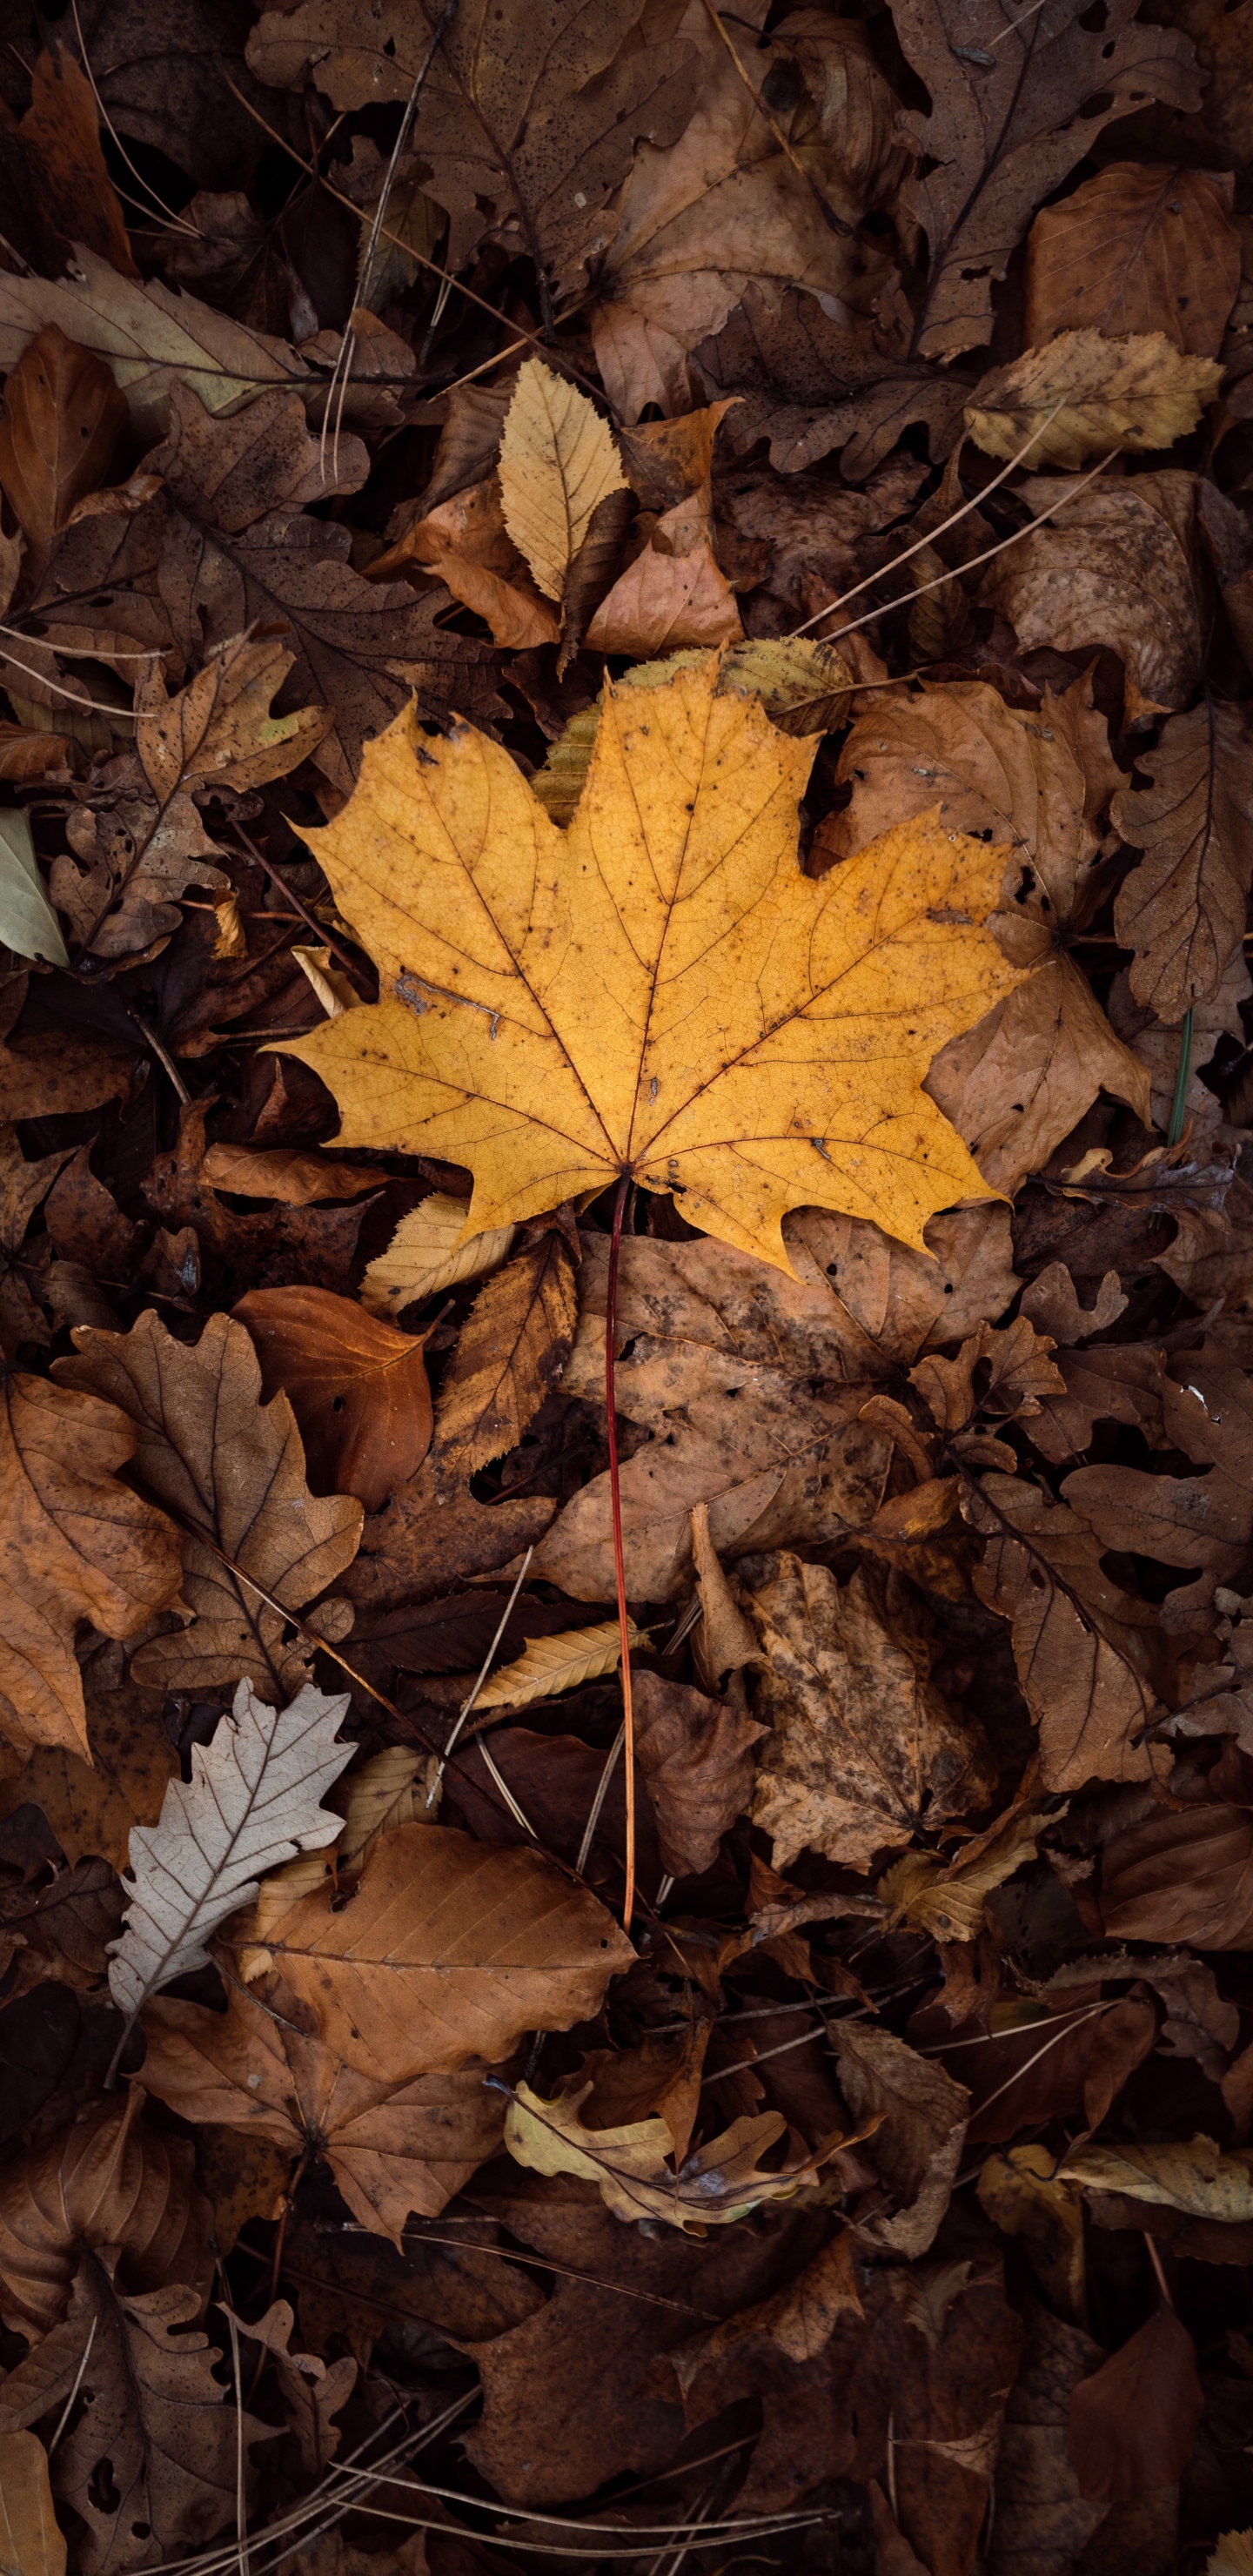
point(643, 411)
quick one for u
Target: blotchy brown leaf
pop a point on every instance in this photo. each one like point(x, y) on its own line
point(446, 1951)
point(1111, 567)
point(1013, 107)
point(696, 1757)
point(231, 1471)
point(921, 2115)
point(1182, 1877)
point(110, 2181)
point(864, 1749)
point(76, 1544)
point(393, 2149)
point(1089, 1656)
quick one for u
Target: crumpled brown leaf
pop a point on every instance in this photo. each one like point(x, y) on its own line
point(1182, 909)
point(1139, 247)
point(110, 2181)
point(695, 1755)
point(1111, 567)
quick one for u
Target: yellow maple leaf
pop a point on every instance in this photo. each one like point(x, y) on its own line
point(659, 990)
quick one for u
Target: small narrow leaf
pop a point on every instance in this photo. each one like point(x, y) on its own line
point(557, 461)
point(552, 1664)
point(252, 1801)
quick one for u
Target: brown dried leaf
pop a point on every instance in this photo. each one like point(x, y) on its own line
point(393, 2149)
point(109, 2181)
point(918, 2116)
point(293, 1178)
point(232, 1473)
point(446, 1951)
point(63, 417)
point(1013, 108)
point(92, 1809)
point(218, 731)
point(1134, 2421)
point(1111, 567)
point(696, 1758)
point(1182, 909)
point(77, 1544)
point(357, 1387)
point(1182, 1877)
point(511, 1352)
point(864, 1749)
point(1140, 247)
point(61, 129)
point(1089, 1655)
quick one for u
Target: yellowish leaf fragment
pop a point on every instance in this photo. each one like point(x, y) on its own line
point(552, 1664)
point(712, 2188)
point(1134, 393)
point(558, 459)
point(659, 990)
point(429, 1251)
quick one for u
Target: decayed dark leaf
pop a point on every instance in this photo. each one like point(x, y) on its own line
point(1182, 909)
point(110, 2181)
point(1133, 2421)
point(1138, 248)
point(511, 1352)
point(695, 1755)
point(357, 1387)
point(63, 417)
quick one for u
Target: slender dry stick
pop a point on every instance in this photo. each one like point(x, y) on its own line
point(468, 1703)
point(241, 2500)
point(589, 1829)
point(1156, 2261)
point(68, 2408)
point(181, 223)
point(619, 1570)
point(328, 938)
point(929, 540)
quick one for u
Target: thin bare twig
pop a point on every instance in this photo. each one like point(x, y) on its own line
point(468, 1704)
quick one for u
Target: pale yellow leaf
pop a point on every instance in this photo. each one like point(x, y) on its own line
point(1135, 393)
point(712, 2188)
point(330, 983)
point(552, 1664)
point(390, 1789)
point(276, 1896)
point(557, 460)
point(426, 1253)
point(1233, 2555)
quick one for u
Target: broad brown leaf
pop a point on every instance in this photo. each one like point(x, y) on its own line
point(1137, 248)
point(293, 1178)
point(22, 1186)
point(1013, 108)
point(110, 2181)
point(1090, 1656)
point(357, 1387)
point(1133, 2422)
point(864, 1749)
point(77, 1544)
point(434, 1534)
point(92, 1807)
point(63, 417)
point(512, 1349)
point(219, 730)
point(1111, 567)
point(1182, 909)
point(696, 1757)
point(1182, 1877)
point(231, 1471)
point(393, 2149)
point(446, 1951)
point(921, 2117)
point(1204, 1520)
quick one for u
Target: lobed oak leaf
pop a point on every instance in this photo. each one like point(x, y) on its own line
point(447, 1950)
point(716, 2185)
point(1139, 248)
point(150, 338)
point(232, 1472)
point(393, 2149)
point(1085, 395)
point(252, 1801)
point(77, 1544)
point(219, 731)
point(659, 992)
point(357, 1387)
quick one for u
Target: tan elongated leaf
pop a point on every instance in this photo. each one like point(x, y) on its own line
point(252, 1801)
point(150, 338)
point(512, 1349)
point(75, 1544)
point(558, 459)
point(390, 1789)
point(62, 418)
point(1186, 2173)
point(426, 1253)
point(1134, 394)
point(448, 1950)
point(219, 731)
point(31, 2543)
point(357, 1387)
point(864, 1749)
point(717, 2185)
point(293, 1178)
point(232, 1473)
point(552, 1664)
point(392, 2149)
point(1182, 909)
point(1141, 247)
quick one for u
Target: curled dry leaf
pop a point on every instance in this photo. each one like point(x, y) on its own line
point(864, 1750)
point(448, 1950)
point(916, 2117)
point(357, 1387)
point(231, 1472)
point(1085, 396)
point(109, 2181)
point(252, 1801)
point(714, 2187)
point(78, 1544)
point(392, 2148)
point(495, 1069)
point(312, 2392)
point(293, 1178)
point(1111, 567)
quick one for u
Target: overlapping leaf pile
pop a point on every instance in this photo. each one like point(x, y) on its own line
point(636, 612)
